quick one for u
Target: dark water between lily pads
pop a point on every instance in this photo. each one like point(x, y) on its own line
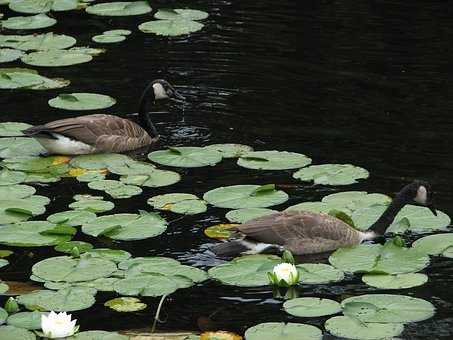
point(342, 82)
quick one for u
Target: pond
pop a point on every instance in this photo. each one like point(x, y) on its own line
point(362, 83)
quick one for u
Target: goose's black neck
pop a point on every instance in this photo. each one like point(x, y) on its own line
point(143, 116)
point(381, 225)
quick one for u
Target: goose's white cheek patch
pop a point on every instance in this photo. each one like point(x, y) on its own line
point(422, 195)
point(159, 91)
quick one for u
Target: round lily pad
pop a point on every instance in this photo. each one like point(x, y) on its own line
point(33, 6)
point(7, 55)
point(88, 50)
point(8, 177)
point(247, 214)
point(14, 191)
point(3, 263)
point(117, 32)
point(28, 22)
point(55, 58)
point(273, 160)
point(72, 217)
point(283, 331)
point(16, 80)
point(3, 315)
point(115, 255)
point(186, 157)
point(125, 304)
point(108, 38)
point(388, 308)
point(95, 205)
point(180, 14)
point(11, 332)
point(178, 203)
point(27, 320)
point(31, 234)
point(332, 174)
point(434, 244)
point(397, 281)
point(421, 220)
point(67, 269)
point(120, 8)
point(68, 299)
point(39, 42)
point(245, 196)
point(220, 231)
point(82, 101)
point(170, 27)
point(155, 261)
point(99, 335)
point(230, 150)
point(154, 179)
point(311, 307)
point(116, 189)
point(67, 247)
point(349, 328)
point(318, 273)
point(99, 161)
point(8, 129)
point(245, 271)
point(126, 227)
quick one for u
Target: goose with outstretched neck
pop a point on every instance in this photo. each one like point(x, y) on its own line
point(102, 133)
point(303, 232)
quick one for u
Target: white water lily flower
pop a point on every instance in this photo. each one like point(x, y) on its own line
point(59, 325)
point(286, 272)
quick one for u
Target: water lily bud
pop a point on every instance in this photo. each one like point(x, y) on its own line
point(287, 273)
point(11, 306)
point(58, 325)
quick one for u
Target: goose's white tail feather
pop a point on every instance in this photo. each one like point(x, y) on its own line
point(62, 145)
point(367, 236)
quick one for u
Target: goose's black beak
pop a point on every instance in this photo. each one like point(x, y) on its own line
point(433, 210)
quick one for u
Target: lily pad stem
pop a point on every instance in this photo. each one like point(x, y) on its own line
point(156, 316)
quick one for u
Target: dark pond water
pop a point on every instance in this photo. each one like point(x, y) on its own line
point(367, 83)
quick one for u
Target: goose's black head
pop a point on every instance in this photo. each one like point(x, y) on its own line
point(419, 193)
point(162, 89)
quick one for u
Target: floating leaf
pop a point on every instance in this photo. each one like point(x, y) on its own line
point(39, 42)
point(108, 38)
point(88, 50)
point(82, 101)
point(42, 6)
point(421, 220)
point(154, 179)
point(273, 160)
point(390, 308)
point(67, 247)
point(439, 244)
point(7, 55)
point(332, 174)
point(115, 255)
point(178, 203)
point(125, 304)
point(170, 27)
point(245, 271)
point(244, 196)
point(398, 281)
point(91, 203)
point(72, 218)
point(29, 234)
point(8, 177)
point(375, 258)
point(346, 327)
point(27, 320)
point(68, 300)
point(8, 129)
point(318, 273)
point(247, 214)
point(126, 227)
point(11, 332)
point(55, 58)
point(98, 335)
point(3, 263)
point(3, 288)
point(116, 189)
point(29, 22)
point(155, 261)
point(311, 307)
point(283, 331)
point(99, 161)
point(117, 32)
point(219, 231)
point(230, 150)
point(67, 269)
point(180, 14)
point(16, 210)
point(186, 157)
point(120, 8)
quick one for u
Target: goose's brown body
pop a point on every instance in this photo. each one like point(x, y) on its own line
point(302, 232)
point(104, 133)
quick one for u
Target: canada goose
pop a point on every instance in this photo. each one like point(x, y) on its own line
point(99, 133)
point(303, 232)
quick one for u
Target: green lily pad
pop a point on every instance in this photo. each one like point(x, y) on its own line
point(8, 129)
point(390, 308)
point(245, 271)
point(245, 196)
point(108, 38)
point(439, 244)
point(421, 220)
point(39, 42)
point(332, 174)
point(283, 331)
point(67, 269)
point(99, 161)
point(186, 157)
point(117, 32)
point(349, 328)
point(16, 80)
point(180, 14)
point(55, 58)
point(94, 52)
point(220, 231)
point(11, 332)
point(67, 247)
point(56, 165)
point(125, 304)
point(82, 101)
point(126, 227)
point(3, 315)
point(72, 217)
point(8, 177)
point(115, 255)
point(131, 167)
point(318, 273)
point(64, 300)
point(375, 258)
point(28, 22)
point(103, 284)
point(247, 214)
point(311, 307)
point(354, 200)
point(116, 189)
point(7, 55)
point(170, 27)
point(178, 203)
point(3, 287)
point(3, 263)
point(27, 320)
point(230, 150)
point(17, 210)
point(156, 178)
point(42, 6)
point(91, 203)
point(273, 160)
point(398, 281)
point(155, 261)
point(120, 8)
point(98, 335)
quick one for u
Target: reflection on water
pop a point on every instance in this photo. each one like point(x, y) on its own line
point(366, 83)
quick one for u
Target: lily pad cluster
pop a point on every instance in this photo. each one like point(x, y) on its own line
point(174, 22)
point(24, 78)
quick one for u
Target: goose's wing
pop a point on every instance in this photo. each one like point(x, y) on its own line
point(106, 133)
